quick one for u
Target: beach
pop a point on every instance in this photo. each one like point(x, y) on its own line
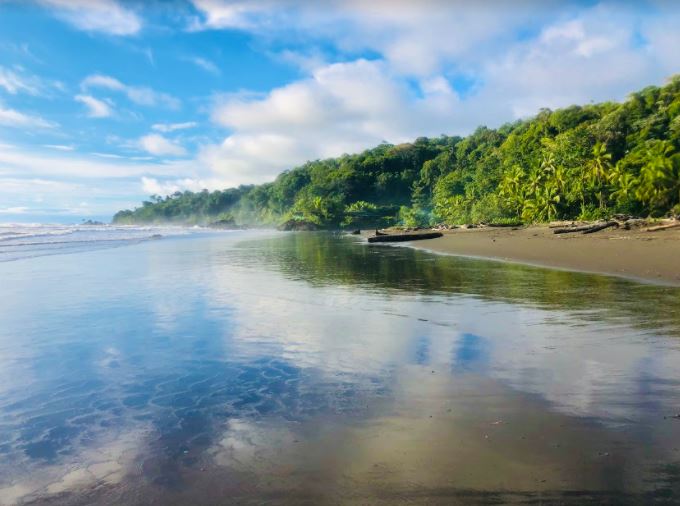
point(636, 254)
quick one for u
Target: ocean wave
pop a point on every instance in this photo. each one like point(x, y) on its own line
point(19, 241)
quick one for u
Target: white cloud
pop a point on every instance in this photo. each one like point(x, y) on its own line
point(141, 95)
point(307, 61)
point(436, 67)
point(415, 37)
point(158, 145)
point(569, 55)
point(14, 210)
point(103, 81)
point(229, 14)
point(32, 196)
point(108, 155)
point(152, 186)
point(18, 162)
point(16, 80)
point(13, 118)
point(205, 64)
point(59, 147)
point(590, 58)
point(663, 38)
point(106, 16)
point(96, 108)
point(171, 127)
point(343, 107)
point(55, 183)
point(14, 83)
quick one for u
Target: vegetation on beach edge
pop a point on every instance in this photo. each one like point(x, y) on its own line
point(581, 162)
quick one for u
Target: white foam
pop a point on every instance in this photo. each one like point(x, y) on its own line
point(26, 240)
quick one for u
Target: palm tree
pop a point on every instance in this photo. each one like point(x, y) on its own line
point(535, 181)
point(543, 205)
point(511, 188)
point(622, 185)
point(659, 184)
point(597, 170)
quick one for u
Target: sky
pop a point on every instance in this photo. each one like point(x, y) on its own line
point(105, 102)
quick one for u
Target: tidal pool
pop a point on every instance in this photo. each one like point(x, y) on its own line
point(310, 368)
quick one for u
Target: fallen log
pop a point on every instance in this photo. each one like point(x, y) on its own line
point(602, 226)
point(570, 230)
point(586, 229)
point(663, 227)
point(505, 225)
point(561, 224)
point(404, 237)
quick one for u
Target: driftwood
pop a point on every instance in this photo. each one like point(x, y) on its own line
point(602, 226)
point(404, 237)
point(570, 230)
point(505, 225)
point(664, 227)
point(586, 229)
point(561, 224)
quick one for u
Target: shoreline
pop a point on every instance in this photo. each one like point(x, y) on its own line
point(638, 255)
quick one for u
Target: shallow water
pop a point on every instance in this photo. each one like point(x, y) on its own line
point(259, 367)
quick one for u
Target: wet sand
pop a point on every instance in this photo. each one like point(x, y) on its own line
point(635, 254)
point(310, 369)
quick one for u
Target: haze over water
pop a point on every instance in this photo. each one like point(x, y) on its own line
point(259, 367)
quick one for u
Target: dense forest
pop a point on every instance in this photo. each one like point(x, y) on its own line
point(584, 162)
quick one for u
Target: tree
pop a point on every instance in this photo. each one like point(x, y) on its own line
point(597, 172)
point(659, 184)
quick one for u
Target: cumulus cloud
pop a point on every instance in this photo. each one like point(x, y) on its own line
point(158, 145)
point(570, 55)
point(592, 57)
point(342, 107)
point(229, 14)
point(141, 95)
point(435, 66)
point(105, 16)
point(415, 37)
point(95, 108)
point(154, 186)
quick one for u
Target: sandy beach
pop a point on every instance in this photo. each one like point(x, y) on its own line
point(637, 254)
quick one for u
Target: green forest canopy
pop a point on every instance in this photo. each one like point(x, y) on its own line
point(582, 162)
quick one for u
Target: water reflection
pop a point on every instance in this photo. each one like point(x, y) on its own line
point(298, 368)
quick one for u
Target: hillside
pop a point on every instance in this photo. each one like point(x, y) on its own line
point(582, 162)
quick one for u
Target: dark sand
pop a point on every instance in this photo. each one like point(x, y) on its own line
point(637, 254)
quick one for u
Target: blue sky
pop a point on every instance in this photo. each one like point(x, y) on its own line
point(103, 103)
